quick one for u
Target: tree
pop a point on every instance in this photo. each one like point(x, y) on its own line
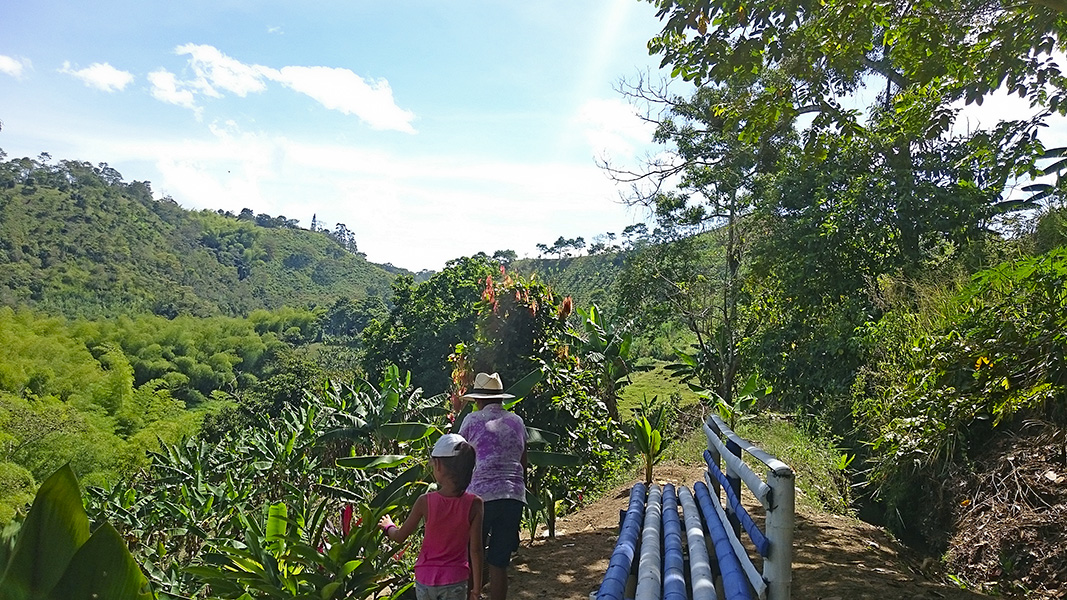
point(427, 321)
point(704, 182)
point(804, 57)
point(505, 257)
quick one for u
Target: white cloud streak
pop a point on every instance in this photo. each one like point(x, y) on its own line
point(167, 88)
point(215, 74)
point(344, 91)
point(101, 76)
point(12, 66)
point(214, 70)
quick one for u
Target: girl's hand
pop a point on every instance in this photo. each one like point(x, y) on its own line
point(385, 523)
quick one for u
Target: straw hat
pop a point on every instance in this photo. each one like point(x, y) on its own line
point(487, 387)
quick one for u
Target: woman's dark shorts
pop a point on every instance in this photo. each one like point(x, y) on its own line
point(500, 530)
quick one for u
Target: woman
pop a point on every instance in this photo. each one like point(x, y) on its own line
point(499, 440)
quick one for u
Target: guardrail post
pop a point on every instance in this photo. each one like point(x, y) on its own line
point(714, 450)
point(735, 485)
point(778, 566)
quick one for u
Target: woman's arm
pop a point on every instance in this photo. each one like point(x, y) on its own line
point(476, 547)
point(399, 534)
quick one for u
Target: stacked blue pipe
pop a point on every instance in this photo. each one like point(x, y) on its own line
point(734, 582)
point(622, 558)
point(702, 581)
point(650, 565)
point(763, 545)
point(673, 559)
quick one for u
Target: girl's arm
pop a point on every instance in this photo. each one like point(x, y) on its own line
point(477, 547)
point(399, 534)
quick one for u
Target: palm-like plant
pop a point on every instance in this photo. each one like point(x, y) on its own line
point(649, 441)
point(608, 348)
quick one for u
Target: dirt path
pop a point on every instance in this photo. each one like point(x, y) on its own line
point(835, 558)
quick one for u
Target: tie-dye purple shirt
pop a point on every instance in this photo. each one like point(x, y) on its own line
point(499, 438)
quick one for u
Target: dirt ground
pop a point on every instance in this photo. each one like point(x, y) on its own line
point(835, 557)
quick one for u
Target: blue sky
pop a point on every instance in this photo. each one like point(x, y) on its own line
point(433, 130)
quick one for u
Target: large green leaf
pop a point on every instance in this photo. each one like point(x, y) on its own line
point(552, 459)
point(102, 569)
point(540, 436)
point(373, 461)
point(520, 388)
point(406, 432)
point(55, 528)
point(388, 493)
point(277, 526)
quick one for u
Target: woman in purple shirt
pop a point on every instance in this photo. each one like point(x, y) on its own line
point(499, 440)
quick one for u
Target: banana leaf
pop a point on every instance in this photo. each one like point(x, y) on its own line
point(373, 461)
point(55, 528)
point(552, 459)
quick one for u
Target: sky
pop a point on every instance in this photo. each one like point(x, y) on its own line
point(431, 129)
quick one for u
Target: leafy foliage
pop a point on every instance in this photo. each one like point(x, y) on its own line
point(427, 321)
point(77, 240)
point(255, 511)
point(1000, 354)
point(54, 556)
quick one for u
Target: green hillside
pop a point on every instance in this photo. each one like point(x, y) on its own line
point(77, 240)
point(587, 279)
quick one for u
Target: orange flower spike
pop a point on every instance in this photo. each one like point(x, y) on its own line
point(565, 308)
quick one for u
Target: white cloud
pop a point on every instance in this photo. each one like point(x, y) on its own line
point(167, 88)
point(214, 70)
point(275, 29)
point(335, 88)
point(344, 91)
point(101, 76)
point(12, 66)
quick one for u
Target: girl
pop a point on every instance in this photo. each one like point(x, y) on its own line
point(453, 526)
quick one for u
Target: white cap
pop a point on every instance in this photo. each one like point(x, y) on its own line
point(447, 445)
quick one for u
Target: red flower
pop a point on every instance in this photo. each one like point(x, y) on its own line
point(346, 520)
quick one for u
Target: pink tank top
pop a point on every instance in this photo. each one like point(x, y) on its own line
point(443, 558)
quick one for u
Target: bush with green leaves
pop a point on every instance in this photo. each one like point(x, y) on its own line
point(523, 329)
point(197, 503)
point(999, 355)
point(52, 555)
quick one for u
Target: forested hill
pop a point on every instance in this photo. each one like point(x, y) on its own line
point(79, 241)
point(587, 279)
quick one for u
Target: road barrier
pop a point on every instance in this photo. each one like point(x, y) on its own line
point(649, 559)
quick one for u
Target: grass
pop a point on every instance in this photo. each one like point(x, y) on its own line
point(656, 382)
point(817, 463)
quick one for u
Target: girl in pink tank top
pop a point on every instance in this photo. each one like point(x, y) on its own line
point(453, 526)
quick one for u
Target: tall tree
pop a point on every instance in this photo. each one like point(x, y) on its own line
point(820, 51)
point(703, 183)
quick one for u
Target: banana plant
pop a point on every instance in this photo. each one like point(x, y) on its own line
point(55, 557)
point(381, 419)
point(608, 348)
point(291, 559)
point(542, 493)
point(745, 400)
point(649, 441)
